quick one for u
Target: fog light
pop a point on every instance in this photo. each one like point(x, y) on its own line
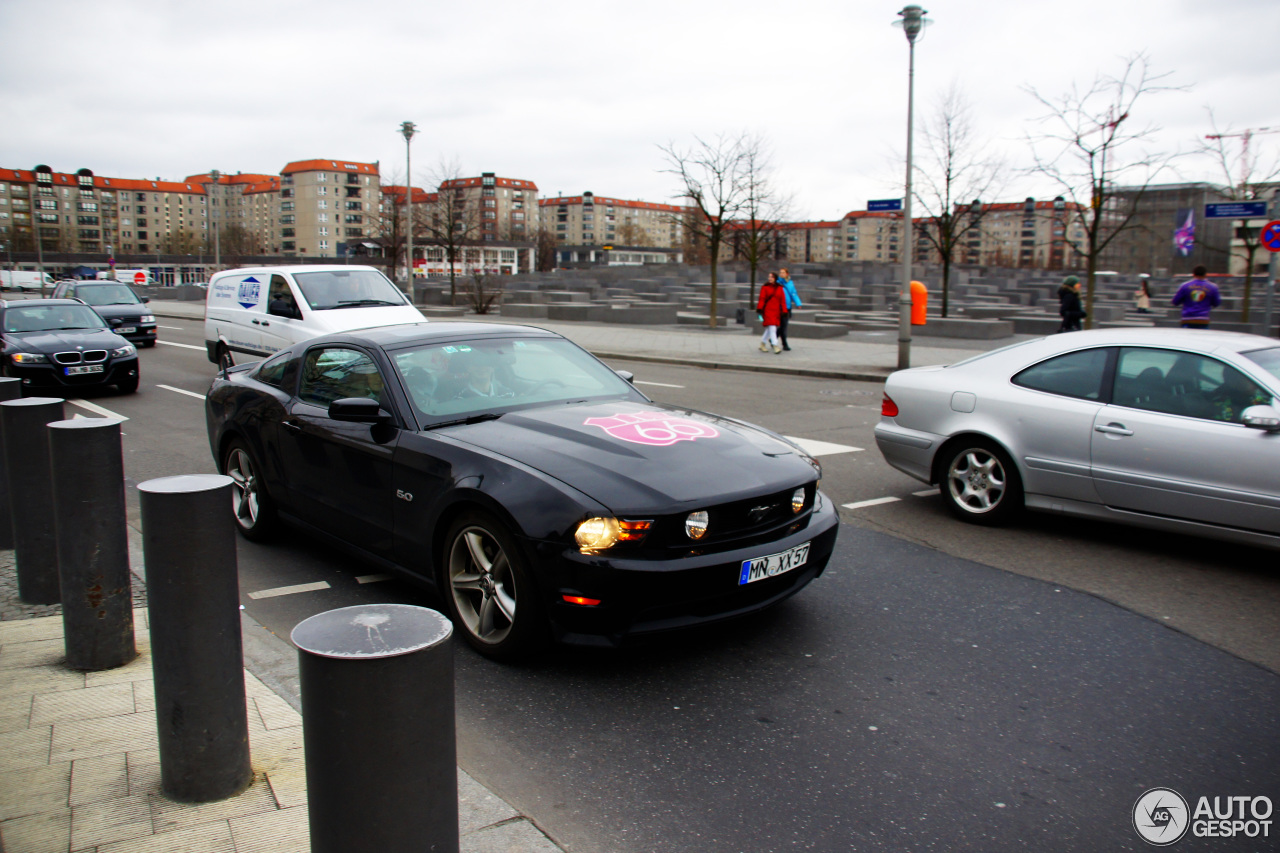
point(797, 500)
point(696, 524)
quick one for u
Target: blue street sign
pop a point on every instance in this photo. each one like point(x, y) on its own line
point(1236, 210)
point(885, 204)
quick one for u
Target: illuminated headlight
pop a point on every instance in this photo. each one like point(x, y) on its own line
point(696, 524)
point(148, 318)
point(797, 500)
point(29, 358)
point(600, 534)
point(121, 352)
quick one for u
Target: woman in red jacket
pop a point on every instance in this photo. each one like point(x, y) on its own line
point(773, 301)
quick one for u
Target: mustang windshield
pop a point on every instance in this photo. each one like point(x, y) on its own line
point(348, 289)
point(51, 318)
point(107, 294)
point(461, 379)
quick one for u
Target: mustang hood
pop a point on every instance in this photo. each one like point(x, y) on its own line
point(635, 457)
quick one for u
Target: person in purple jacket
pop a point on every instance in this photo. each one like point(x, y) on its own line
point(1197, 297)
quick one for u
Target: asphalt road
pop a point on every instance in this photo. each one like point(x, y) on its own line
point(917, 696)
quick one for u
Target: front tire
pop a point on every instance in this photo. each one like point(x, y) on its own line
point(980, 483)
point(130, 385)
point(251, 505)
point(491, 596)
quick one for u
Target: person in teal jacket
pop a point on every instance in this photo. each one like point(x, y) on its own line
point(793, 301)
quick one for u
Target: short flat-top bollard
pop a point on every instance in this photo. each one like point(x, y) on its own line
point(26, 457)
point(93, 542)
point(193, 605)
point(378, 729)
point(10, 389)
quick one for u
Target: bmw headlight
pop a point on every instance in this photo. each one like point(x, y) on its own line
point(148, 318)
point(121, 352)
point(29, 358)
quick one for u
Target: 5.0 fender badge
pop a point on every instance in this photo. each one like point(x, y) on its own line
point(653, 428)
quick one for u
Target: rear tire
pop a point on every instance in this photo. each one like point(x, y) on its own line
point(980, 483)
point(491, 596)
point(251, 505)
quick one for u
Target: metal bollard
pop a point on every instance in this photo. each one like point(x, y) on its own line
point(378, 729)
point(93, 544)
point(10, 389)
point(193, 601)
point(26, 456)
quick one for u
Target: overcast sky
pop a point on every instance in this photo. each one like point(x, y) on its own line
point(578, 95)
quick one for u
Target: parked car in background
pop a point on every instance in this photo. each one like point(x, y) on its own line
point(126, 313)
point(1170, 429)
point(536, 489)
point(60, 345)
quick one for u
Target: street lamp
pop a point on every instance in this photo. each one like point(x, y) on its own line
point(913, 22)
point(213, 203)
point(408, 130)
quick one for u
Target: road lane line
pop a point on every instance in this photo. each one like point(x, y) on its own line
point(182, 391)
point(374, 578)
point(926, 493)
point(184, 346)
point(655, 384)
point(822, 448)
point(289, 590)
point(172, 328)
point(872, 502)
point(96, 409)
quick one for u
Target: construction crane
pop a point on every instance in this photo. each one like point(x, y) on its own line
point(1246, 135)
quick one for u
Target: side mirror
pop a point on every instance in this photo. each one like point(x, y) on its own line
point(1265, 418)
point(146, 299)
point(359, 410)
point(627, 375)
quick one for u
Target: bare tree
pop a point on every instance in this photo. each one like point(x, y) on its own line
point(454, 221)
point(631, 234)
point(764, 209)
point(953, 178)
point(1091, 147)
point(181, 241)
point(236, 240)
point(389, 225)
point(713, 177)
point(1253, 179)
point(482, 292)
point(545, 249)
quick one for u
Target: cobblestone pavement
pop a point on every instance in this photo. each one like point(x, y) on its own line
point(12, 606)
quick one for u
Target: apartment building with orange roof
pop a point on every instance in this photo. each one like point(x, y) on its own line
point(588, 219)
point(503, 208)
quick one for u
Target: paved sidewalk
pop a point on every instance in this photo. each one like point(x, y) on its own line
point(80, 765)
point(867, 356)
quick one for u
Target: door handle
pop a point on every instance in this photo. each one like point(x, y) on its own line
point(254, 322)
point(293, 425)
point(1113, 429)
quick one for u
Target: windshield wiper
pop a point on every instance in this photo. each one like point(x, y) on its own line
point(469, 419)
point(351, 302)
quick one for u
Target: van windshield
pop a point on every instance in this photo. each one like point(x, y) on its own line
point(348, 289)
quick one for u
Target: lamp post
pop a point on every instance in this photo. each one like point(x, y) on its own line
point(913, 22)
point(213, 220)
point(408, 130)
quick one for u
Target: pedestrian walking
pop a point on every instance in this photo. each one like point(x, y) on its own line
point(793, 302)
point(1142, 298)
point(769, 308)
point(1069, 305)
point(1197, 298)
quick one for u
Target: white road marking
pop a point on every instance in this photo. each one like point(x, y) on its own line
point(374, 578)
point(289, 590)
point(872, 502)
point(182, 391)
point(926, 493)
point(172, 328)
point(655, 384)
point(184, 346)
point(96, 409)
point(822, 448)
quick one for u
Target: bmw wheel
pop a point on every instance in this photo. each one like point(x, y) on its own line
point(490, 594)
point(980, 483)
point(254, 511)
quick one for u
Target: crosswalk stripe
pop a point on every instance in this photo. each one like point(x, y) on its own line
point(872, 502)
point(289, 590)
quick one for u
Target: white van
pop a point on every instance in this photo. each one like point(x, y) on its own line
point(257, 311)
point(24, 280)
point(139, 277)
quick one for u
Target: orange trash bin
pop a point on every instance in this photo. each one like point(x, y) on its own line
point(919, 303)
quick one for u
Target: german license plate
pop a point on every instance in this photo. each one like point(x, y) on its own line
point(84, 368)
point(774, 564)
point(125, 330)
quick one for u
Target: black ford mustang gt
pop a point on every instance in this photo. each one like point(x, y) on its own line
point(535, 488)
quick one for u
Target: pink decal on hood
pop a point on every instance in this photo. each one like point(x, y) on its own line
point(653, 428)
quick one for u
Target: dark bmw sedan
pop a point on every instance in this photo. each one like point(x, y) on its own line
point(61, 345)
point(126, 313)
point(534, 487)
